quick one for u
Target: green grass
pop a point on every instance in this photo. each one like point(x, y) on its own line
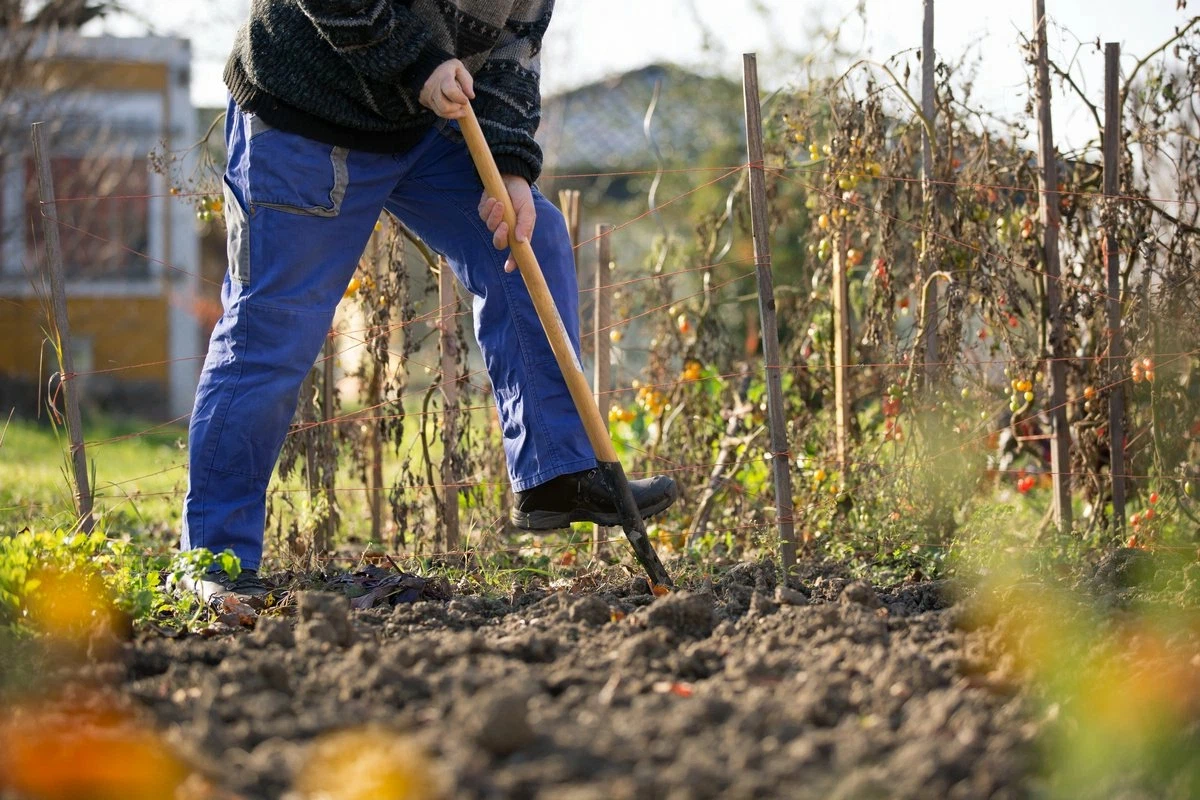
point(138, 477)
point(138, 473)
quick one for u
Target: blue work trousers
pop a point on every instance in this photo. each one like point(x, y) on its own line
point(299, 215)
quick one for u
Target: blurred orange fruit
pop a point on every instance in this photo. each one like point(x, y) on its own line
point(102, 757)
point(369, 763)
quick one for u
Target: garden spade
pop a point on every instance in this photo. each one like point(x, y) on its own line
point(597, 432)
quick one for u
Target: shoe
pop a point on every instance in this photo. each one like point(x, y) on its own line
point(584, 497)
point(214, 587)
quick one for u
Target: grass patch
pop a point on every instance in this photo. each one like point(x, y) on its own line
point(138, 478)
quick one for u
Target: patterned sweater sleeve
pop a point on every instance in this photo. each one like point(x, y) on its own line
point(378, 38)
point(508, 92)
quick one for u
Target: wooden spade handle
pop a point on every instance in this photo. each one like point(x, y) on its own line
point(535, 281)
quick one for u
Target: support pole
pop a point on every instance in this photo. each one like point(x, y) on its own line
point(329, 476)
point(1112, 266)
point(62, 328)
point(447, 330)
point(602, 382)
point(1054, 349)
point(841, 352)
point(374, 398)
point(781, 454)
point(929, 313)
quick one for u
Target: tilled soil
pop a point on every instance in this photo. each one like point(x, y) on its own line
point(735, 689)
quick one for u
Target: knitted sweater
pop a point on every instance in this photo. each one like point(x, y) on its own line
point(349, 72)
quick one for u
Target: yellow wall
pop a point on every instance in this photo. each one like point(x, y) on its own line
point(79, 74)
point(124, 332)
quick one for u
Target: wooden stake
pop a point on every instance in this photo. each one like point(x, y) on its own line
point(1054, 349)
point(568, 203)
point(929, 313)
point(602, 382)
point(62, 328)
point(1112, 265)
point(841, 352)
point(374, 400)
point(781, 460)
point(328, 535)
point(308, 415)
point(447, 335)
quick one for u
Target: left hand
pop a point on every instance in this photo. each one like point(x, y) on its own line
point(491, 211)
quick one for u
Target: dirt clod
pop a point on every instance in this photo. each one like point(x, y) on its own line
point(860, 593)
point(789, 597)
point(317, 632)
point(500, 723)
point(741, 687)
point(273, 631)
point(687, 614)
point(591, 610)
point(320, 609)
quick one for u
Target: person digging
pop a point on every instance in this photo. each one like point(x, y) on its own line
point(339, 110)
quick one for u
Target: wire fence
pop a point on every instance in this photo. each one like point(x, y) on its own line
point(931, 434)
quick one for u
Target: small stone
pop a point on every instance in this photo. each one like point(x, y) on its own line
point(500, 723)
point(590, 610)
point(860, 593)
point(789, 597)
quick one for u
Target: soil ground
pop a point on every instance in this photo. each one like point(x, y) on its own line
point(735, 689)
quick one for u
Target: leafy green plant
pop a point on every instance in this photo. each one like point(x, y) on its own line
point(102, 572)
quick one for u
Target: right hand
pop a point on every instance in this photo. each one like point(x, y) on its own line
point(491, 211)
point(449, 90)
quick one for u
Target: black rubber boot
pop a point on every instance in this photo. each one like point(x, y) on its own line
point(583, 497)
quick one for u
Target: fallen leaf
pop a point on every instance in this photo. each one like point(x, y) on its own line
point(235, 613)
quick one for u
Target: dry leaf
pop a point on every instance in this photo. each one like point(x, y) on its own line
point(235, 613)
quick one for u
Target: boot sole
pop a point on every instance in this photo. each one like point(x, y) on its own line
point(556, 520)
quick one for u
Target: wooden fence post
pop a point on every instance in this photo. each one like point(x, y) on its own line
point(308, 415)
point(329, 477)
point(602, 382)
point(447, 335)
point(781, 460)
point(929, 311)
point(375, 395)
point(1112, 265)
point(62, 329)
point(841, 352)
point(1054, 349)
point(568, 203)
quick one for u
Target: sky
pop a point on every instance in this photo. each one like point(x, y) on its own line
point(589, 40)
